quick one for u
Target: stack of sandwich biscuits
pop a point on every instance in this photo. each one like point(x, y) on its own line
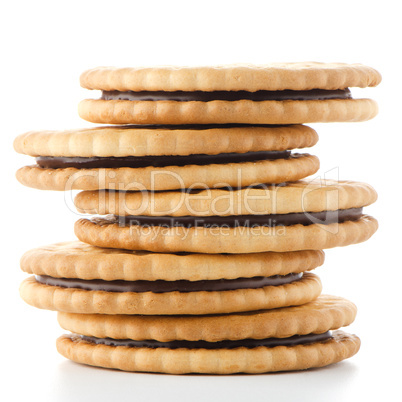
point(205, 219)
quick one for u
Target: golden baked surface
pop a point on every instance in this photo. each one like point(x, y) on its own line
point(318, 316)
point(75, 259)
point(74, 300)
point(271, 77)
point(301, 196)
point(219, 361)
point(104, 232)
point(122, 141)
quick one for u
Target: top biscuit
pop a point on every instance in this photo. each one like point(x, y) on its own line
point(287, 93)
point(271, 77)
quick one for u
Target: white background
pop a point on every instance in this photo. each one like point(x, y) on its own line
point(45, 47)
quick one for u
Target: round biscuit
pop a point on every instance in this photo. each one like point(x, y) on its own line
point(301, 196)
point(226, 112)
point(157, 141)
point(299, 76)
point(75, 259)
point(105, 232)
point(73, 300)
point(297, 166)
point(219, 361)
point(318, 316)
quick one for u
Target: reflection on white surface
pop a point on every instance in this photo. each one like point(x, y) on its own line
point(74, 382)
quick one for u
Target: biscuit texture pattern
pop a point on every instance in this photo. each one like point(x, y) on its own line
point(171, 303)
point(103, 232)
point(297, 166)
point(220, 361)
point(225, 112)
point(271, 77)
point(79, 260)
point(301, 196)
point(318, 316)
point(144, 141)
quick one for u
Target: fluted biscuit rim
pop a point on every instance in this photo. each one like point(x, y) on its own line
point(220, 361)
point(102, 232)
point(248, 77)
point(323, 314)
point(301, 196)
point(171, 303)
point(224, 112)
point(79, 260)
point(296, 167)
point(142, 141)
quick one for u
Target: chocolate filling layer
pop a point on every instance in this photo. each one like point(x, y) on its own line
point(201, 96)
point(50, 162)
point(227, 344)
point(303, 218)
point(160, 286)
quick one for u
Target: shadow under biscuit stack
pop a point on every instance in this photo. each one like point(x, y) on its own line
point(206, 224)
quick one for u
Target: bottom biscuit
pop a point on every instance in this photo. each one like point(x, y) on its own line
point(217, 361)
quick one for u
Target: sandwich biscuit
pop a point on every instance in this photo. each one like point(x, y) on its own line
point(79, 278)
point(293, 338)
point(278, 93)
point(294, 216)
point(164, 158)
